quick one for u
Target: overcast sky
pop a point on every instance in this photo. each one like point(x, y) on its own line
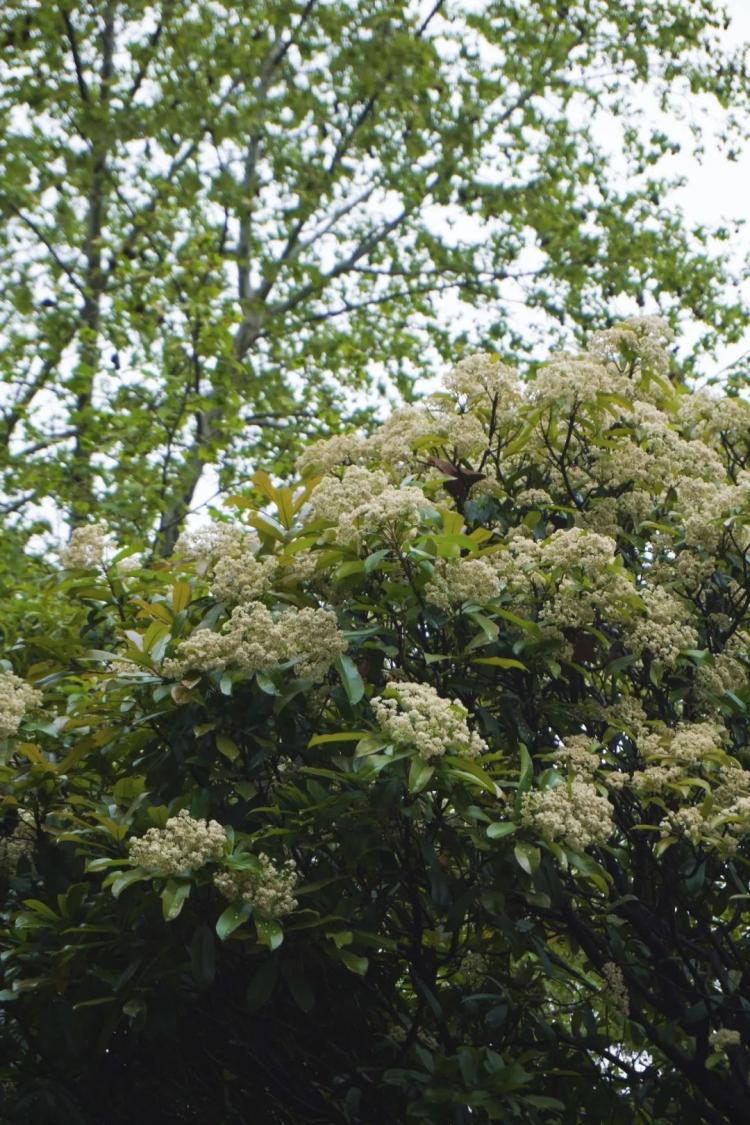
point(718, 188)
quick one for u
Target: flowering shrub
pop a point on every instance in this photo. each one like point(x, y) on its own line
point(413, 787)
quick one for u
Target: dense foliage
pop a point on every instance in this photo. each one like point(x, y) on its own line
point(221, 220)
point(419, 789)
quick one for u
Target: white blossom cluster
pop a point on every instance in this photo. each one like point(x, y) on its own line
point(228, 554)
point(185, 843)
point(474, 969)
point(573, 812)
point(729, 670)
point(640, 340)
point(253, 640)
point(323, 456)
point(87, 547)
point(463, 580)
point(615, 990)
point(483, 380)
point(569, 381)
point(361, 502)
point(20, 843)
point(271, 890)
point(579, 753)
point(413, 714)
point(724, 1037)
point(664, 628)
point(239, 579)
point(17, 698)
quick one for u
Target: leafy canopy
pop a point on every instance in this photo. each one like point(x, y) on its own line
point(221, 222)
point(420, 790)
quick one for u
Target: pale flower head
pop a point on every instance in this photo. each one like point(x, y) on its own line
point(86, 548)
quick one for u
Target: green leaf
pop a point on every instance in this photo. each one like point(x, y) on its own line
point(262, 984)
point(269, 931)
point(299, 985)
point(233, 917)
point(350, 678)
point(356, 566)
point(353, 962)
point(340, 736)
point(373, 561)
point(470, 771)
point(173, 898)
point(120, 881)
point(420, 774)
point(526, 770)
point(203, 956)
point(227, 746)
point(528, 856)
point(500, 662)
point(501, 828)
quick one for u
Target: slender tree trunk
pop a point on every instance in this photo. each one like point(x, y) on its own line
point(82, 474)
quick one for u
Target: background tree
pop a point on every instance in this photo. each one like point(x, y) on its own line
point(421, 792)
point(219, 220)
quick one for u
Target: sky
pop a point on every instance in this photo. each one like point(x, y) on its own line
point(715, 189)
point(718, 188)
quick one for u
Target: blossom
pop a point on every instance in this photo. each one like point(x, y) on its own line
point(363, 502)
point(269, 890)
point(17, 698)
point(242, 577)
point(483, 380)
point(615, 989)
point(567, 381)
point(229, 555)
point(463, 580)
point(206, 544)
point(580, 753)
point(573, 811)
point(20, 843)
point(253, 640)
point(664, 629)
point(413, 714)
point(86, 548)
point(641, 340)
point(323, 456)
point(724, 1037)
point(183, 844)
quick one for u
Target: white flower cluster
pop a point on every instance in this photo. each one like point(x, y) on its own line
point(474, 969)
point(691, 743)
point(184, 843)
point(17, 698)
point(408, 429)
point(642, 339)
point(572, 811)
point(253, 640)
point(20, 843)
point(580, 753)
point(413, 714)
point(228, 554)
point(323, 456)
point(463, 580)
point(242, 578)
point(483, 380)
point(729, 671)
point(362, 502)
point(568, 381)
point(86, 548)
point(724, 1037)
point(664, 628)
point(204, 545)
point(626, 714)
point(615, 990)
point(271, 890)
